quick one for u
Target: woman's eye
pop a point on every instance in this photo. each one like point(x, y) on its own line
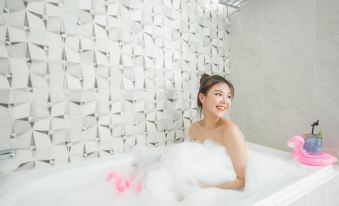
point(218, 94)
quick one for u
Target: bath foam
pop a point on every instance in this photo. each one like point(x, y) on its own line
point(176, 179)
point(178, 172)
point(171, 177)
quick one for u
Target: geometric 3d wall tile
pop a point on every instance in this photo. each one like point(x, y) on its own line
point(93, 78)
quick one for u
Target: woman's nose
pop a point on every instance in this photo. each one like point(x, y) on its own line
point(223, 99)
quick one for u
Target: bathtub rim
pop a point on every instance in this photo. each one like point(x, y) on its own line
point(297, 190)
point(300, 188)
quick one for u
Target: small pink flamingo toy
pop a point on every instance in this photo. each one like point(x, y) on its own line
point(322, 159)
point(121, 184)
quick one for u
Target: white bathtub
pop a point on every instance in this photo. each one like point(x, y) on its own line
point(50, 186)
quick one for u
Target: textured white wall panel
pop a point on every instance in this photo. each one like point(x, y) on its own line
point(85, 78)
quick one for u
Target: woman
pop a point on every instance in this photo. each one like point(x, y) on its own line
point(214, 100)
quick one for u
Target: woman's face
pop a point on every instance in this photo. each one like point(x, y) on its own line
point(217, 101)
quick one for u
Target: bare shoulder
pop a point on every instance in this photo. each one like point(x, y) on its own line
point(193, 130)
point(229, 126)
point(231, 132)
point(195, 123)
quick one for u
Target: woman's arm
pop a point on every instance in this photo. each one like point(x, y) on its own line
point(233, 140)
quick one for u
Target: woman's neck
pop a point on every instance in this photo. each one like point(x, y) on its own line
point(210, 122)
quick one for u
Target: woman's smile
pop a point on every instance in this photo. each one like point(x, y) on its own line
point(220, 108)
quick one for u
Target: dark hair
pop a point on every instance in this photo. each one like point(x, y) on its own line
point(208, 81)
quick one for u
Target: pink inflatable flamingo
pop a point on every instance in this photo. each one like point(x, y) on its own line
point(322, 159)
point(122, 184)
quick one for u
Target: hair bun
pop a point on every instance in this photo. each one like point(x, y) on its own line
point(203, 77)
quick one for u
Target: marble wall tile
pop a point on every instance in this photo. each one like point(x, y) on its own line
point(326, 71)
point(288, 62)
point(279, 125)
point(247, 38)
point(326, 20)
point(250, 92)
point(277, 10)
point(298, 61)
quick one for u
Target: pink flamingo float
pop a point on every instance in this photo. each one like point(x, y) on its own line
point(122, 184)
point(322, 159)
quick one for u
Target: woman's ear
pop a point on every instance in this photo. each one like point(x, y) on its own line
point(202, 97)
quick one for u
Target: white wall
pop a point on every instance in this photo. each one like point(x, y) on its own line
point(284, 62)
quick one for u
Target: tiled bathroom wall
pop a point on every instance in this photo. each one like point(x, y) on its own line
point(284, 61)
point(89, 78)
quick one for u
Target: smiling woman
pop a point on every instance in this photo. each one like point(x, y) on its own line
point(214, 100)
